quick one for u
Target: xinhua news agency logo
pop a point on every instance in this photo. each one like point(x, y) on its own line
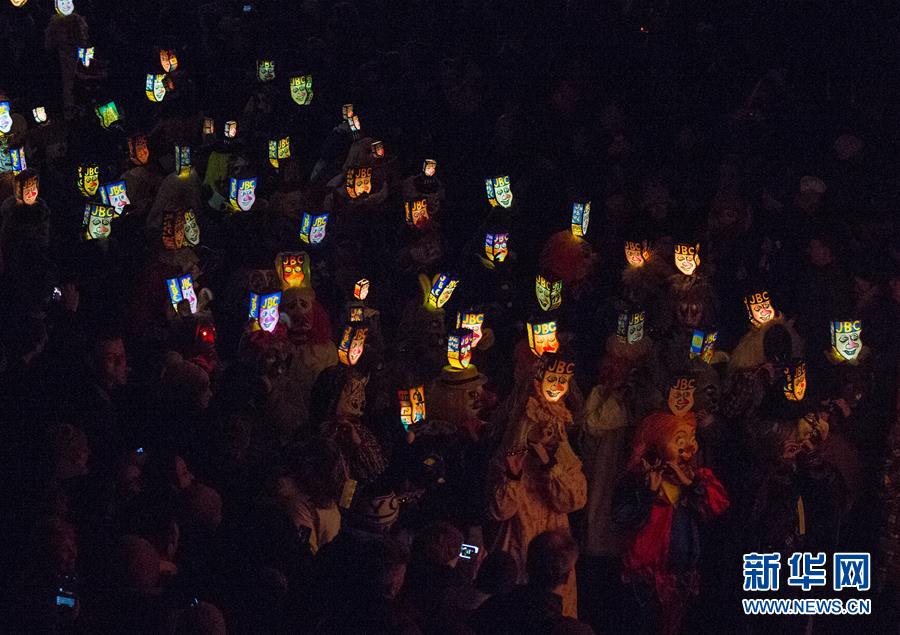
point(808, 571)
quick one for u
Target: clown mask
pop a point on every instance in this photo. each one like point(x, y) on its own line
point(681, 446)
point(352, 344)
point(64, 7)
point(242, 194)
point(301, 90)
point(548, 291)
point(417, 213)
point(795, 381)
point(555, 379)
point(630, 327)
point(846, 340)
point(687, 258)
point(114, 195)
point(636, 253)
point(681, 396)
point(98, 221)
point(689, 313)
point(265, 70)
point(499, 192)
point(542, 337)
point(27, 190)
point(759, 308)
point(155, 87)
point(6, 121)
point(352, 401)
point(191, 229)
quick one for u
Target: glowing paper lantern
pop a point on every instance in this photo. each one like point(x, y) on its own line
point(353, 123)
point(168, 60)
point(301, 90)
point(292, 268)
point(496, 247)
point(264, 311)
point(230, 130)
point(352, 344)
point(459, 348)
point(312, 227)
point(581, 217)
point(138, 151)
point(556, 375)
point(412, 406)
point(88, 179)
point(347, 111)
point(548, 290)
point(687, 258)
point(98, 221)
point(542, 337)
point(636, 253)
point(39, 114)
point(108, 114)
point(417, 213)
point(85, 55)
point(155, 87)
point(180, 229)
point(442, 287)
point(17, 160)
point(182, 288)
point(18, 3)
point(846, 339)
point(27, 187)
point(759, 308)
point(429, 168)
point(795, 381)
point(681, 395)
point(209, 127)
point(630, 326)
point(361, 289)
point(378, 149)
point(64, 7)
point(357, 313)
point(358, 182)
point(703, 345)
point(183, 160)
point(6, 121)
point(473, 321)
point(242, 193)
point(114, 195)
point(279, 149)
point(265, 70)
point(499, 192)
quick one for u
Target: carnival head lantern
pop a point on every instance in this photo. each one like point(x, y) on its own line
point(846, 339)
point(183, 160)
point(412, 406)
point(361, 289)
point(138, 150)
point(6, 121)
point(556, 374)
point(440, 290)
point(636, 253)
point(230, 130)
point(64, 7)
point(378, 149)
point(19, 3)
point(264, 310)
point(242, 193)
point(417, 213)
point(548, 290)
point(312, 227)
point(687, 258)
point(542, 337)
point(17, 160)
point(358, 182)
point(86, 55)
point(168, 60)
point(703, 344)
point(302, 90)
point(630, 326)
point(292, 268)
point(496, 246)
point(473, 321)
point(88, 179)
point(182, 288)
point(581, 217)
point(114, 195)
point(180, 229)
point(759, 308)
point(429, 168)
point(98, 221)
point(27, 187)
point(459, 348)
point(681, 395)
point(265, 70)
point(352, 344)
point(499, 192)
point(795, 380)
point(279, 149)
point(209, 127)
point(40, 114)
point(155, 87)
point(108, 114)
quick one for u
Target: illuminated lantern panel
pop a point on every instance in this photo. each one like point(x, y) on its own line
point(499, 192)
point(429, 168)
point(98, 221)
point(39, 114)
point(356, 313)
point(265, 70)
point(548, 290)
point(358, 182)
point(542, 337)
point(312, 227)
point(108, 114)
point(459, 348)
point(18, 3)
point(417, 213)
point(209, 126)
point(292, 268)
point(846, 339)
point(556, 376)
point(759, 308)
point(412, 406)
point(155, 87)
point(6, 121)
point(581, 217)
point(361, 289)
point(27, 187)
point(687, 258)
point(182, 288)
point(352, 344)
point(230, 130)
point(347, 111)
point(279, 149)
point(378, 149)
point(301, 90)
point(630, 326)
point(354, 124)
point(88, 179)
point(496, 247)
point(182, 160)
point(138, 150)
point(264, 311)
point(114, 195)
point(242, 193)
point(442, 287)
point(168, 60)
point(86, 55)
point(472, 320)
point(681, 395)
point(64, 7)
point(703, 345)
point(795, 381)
point(17, 160)
point(636, 253)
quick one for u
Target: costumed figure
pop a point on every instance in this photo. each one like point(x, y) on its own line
point(645, 280)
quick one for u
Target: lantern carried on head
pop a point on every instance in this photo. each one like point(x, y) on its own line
point(499, 192)
point(687, 258)
point(292, 268)
point(542, 337)
point(681, 395)
point(138, 151)
point(230, 130)
point(168, 60)
point(442, 287)
point(312, 227)
point(40, 114)
point(459, 348)
point(17, 160)
point(377, 149)
point(496, 246)
point(264, 311)
point(88, 179)
point(27, 187)
point(19, 3)
point(846, 339)
point(703, 344)
point(241, 194)
point(630, 326)
point(180, 229)
point(182, 288)
point(265, 70)
point(108, 114)
point(352, 344)
point(429, 168)
point(97, 221)
point(6, 121)
point(85, 55)
point(473, 321)
point(155, 87)
point(412, 406)
point(548, 290)
point(556, 374)
point(64, 7)
point(183, 160)
point(361, 289)
point(759, 308)
point(279, 149)
point(358, 182)
point(417, 213)
point(795, 380)
point(301, 90)
point(581, 217)
point(209, 127)
point(114, 195)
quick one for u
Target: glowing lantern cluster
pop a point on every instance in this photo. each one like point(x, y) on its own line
point(581, 217)
point(279, 149)
point(358, 182)
point(846, 339)
point(548, 290)
point(98, 221)
point(88, 179)
point(687, 258)
point(155, 87)
point(114, 195)
point(412, 406)
point(499, 192)
point(795, 381)
point(472, 320)
point(703, 344)
point(242, 193)
point(182, 288)
point(681, 395)
point(302, 90)
point(312, 227)
point(759, 308)
point(630, 326)
point(352, 344)
point(442, 287)
point(542, 337)
point(264, 311)
point(496, 246)
point(417, 213)
point(459, 348)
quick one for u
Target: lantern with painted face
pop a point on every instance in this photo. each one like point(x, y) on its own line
point(182, 288)
point(795, 380)
point(681, 395)
point(114, 195)
point(17, 160)
point(301, 90)
point(183, 160)
point(155, 87)
point(636, 253)
point(703, 345)
point(27, 187)
point(499, 192)
point(548, 290)
point(168, 60)
point(459, 348)
point(352, 344)
point(279, 149)
point(417, 213)
point(361, 289)
point(412, 406)
point(442, 287)
point(846, 339)
point(230, 130)
point(429, 168)
point(209, 127)
point(581, 217)
point(88, 179)
point(759, 308)
point(64, 7)
point(18, 3)
point(496, 246)
point(354, 125)
point(264, 310)
point(473, 321)
point(378, 149)
point(358, 182)
point(312, 227)
point(86, 55)
point(347, 111)
point(292, 268)
point(265, 70)
point(542, 337)
point(687, 258)
point(242, 194)
point(40, 114)
point(108, 114)
point(630, 326)
point(556, 376)
point(98, 221)
point(6, 121)
point(138, 151)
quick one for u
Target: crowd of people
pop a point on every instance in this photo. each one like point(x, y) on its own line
point(396, 317)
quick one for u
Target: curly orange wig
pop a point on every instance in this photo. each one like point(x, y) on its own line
point(653, 432)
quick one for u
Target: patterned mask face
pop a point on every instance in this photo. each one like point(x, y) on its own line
point(542, 337)
point(681, 396)
point(301, 90)
point(759, 308)
point(846, 339)
point(687, 258)
point(352, 401)
point(556, 379)
point(499, 191)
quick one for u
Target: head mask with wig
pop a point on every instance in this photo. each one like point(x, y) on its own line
point(663, 437)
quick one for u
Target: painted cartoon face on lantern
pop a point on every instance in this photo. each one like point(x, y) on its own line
point(18, 3)
point(86, 55)
point(30, 191)
point(293, 269)
point(268, 311)
point(187, 291)
point(429, 168)
point(542, 337)
point(441, 289)
point(636, 253)
point(417, 213)
point(472, 321)
point(301, 90)
point(703, 345)
point(555, 380)
point(759, 308)
point(687, 258)
point(459, 348)
point(138, 151)
point(499, 192)
point(548, 291)
point(64, 7)
point(581, 217)
point(191, 229)
point(358, 182)
point(352, 400)
point(496, 247)
point(352, 344)
point(795, 381)
point(39, 114)
point(98, 221)
point(378, 149)
point(279, 149)
point(312, 228)
point(155, 87)
point(230, 130)
point(17, 160)
point(630, 327)
point(115, 196)
point(168, 60)
point(681, 447)
point(681, 396)
point(88, 180)
point(846, 339)
point(265, 70)
point(361, 289)
point(412, 406)
point(6, 121)
point(242, 193)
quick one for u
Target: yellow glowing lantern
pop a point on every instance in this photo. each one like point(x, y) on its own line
point(18, 3)
point(681, 395)
point(417, 213)
point(301, 90)
point(230, 130)
point(542, 337)
point(459, 348)
point(264, 311)
point(209, 127)
point(279, 149)
point(265, 70)
point(630, 326)
point(846, 339)
point(361, 289)
point(114, 195)
point(40, 114)
point(795, 381)
point(138, 150)
point(347, 111)
point(636, 253)
point(168, 60)
point(352, 344)
point(429, 168)
point(6, 121)
point(377, 149)
point(473, 321)
point(581, 217)
point(356, 312)
point(98, 221)
point(703, 344)
point(438, 294)
point(180, 289)
point(183, 160)
point(412, 406)
point(358, 182)
point(556, 377)
point(292, 268)
point(155, 87)
point(499, 192)
point(687, 258)
point(88, 179)
point(108, 114)
point(496, 246)
point(27, 187)
point(17, 160)
point(759, 308)
point(312, 227)
point(64, 7)
point(180, 229)
point(242, 194)
point(548, 290)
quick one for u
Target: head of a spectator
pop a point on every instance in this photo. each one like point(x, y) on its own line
point(110, 362)
point(551, 559)
point(69, 451)
point(437, 545)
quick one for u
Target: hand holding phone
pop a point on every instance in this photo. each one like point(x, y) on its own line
point(467, 552)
